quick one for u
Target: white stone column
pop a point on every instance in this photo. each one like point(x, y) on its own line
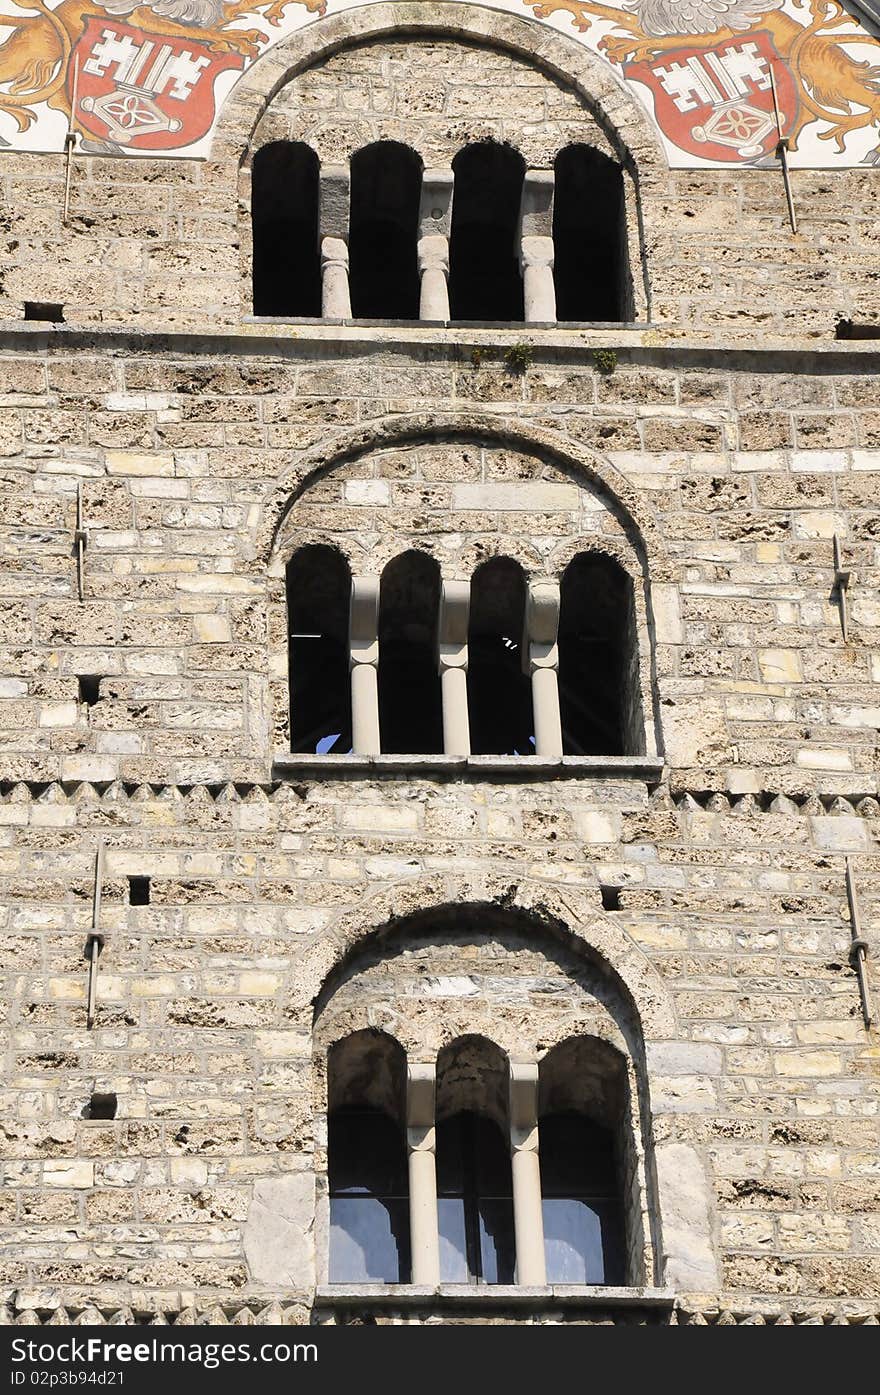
point(333, 239)
point(541, 654)
point(435, 217)
point(421, 1144)
point(536, 246)
point(455, 602)
point(539, 290)
point(528, 1218)
point(363, 644)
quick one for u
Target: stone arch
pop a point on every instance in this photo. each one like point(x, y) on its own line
point(620, 120)
point(673, 1215)
point(605, 96)
point(637, 546)
point(567, 916)
point(411, 428)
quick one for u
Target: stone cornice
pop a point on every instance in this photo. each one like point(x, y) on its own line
point(684, 799)
point(638, 345)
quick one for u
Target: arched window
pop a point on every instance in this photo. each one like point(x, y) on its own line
point(583, 1092)
point(367, 1161)
point(386, 181)
point(474, 1184)
point(499, 692)
point(589, 237)
point(284, 217)
point(410, 712)
point(318, 595)
point(599, 695)
point(484, 276)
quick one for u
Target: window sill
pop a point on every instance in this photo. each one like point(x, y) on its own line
point(289, 765)
point(483, 1296)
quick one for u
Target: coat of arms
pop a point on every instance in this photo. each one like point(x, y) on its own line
point(141, 73)
point(706, 67)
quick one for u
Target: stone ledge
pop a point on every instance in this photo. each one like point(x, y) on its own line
point(491, 1296)
point(519, 767)
point(634, 345)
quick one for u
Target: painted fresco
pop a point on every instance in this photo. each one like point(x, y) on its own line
point(720, 78)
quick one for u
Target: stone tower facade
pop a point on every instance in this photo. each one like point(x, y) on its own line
point(463, 717)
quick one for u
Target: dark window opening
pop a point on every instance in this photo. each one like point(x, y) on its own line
point(583, 1224)
point(139, 891)
point(89, 689)
point(318, 599)
point(101, 1106)
point(45, 310)
point(595, 629)
point(499, 692)
point(284, 216)
point(369, 1198)
point(589, 237)
point(367, 1161)
point(610, 898)
point(484, 274)
point(386, 182)
point(410, 711)
point(474, 1202)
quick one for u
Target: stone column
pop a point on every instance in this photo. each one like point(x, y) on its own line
point(435, 218)
point(455, 602)
point(541, 654)
point(421, 1143)
point(528, 1219)
point(363, 642)
point(536, 246)
point(333, 238)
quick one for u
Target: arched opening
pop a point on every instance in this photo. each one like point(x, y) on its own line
point(499, 692)
point(318, 596)
point(410, 710)
point(589, 237)
point(386, 181)
point(586, 1153)
point(284, 219)
point(367, 1160)
point(599, 692)
point(484, 275)
point(474, 1182)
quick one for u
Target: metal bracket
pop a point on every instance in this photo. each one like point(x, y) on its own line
point(782, 153)
point(80, 538)
point(70, 141)
point(95, 941)
point(841, 584)
point(859, 948)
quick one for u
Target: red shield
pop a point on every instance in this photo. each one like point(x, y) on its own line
point(717, 102)
point(142, 91)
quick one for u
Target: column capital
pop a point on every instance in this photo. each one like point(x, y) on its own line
point(524, 1105)
point(421, 1080)
point(452, 631)
point(363, 622)
point(334, 252)
point(536, 252)
point(433, 254)
point(540, 648)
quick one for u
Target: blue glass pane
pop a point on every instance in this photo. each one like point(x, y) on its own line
point(368, 1240)
point(497, 1247)
point(453, 1244)
point(573, 1242)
